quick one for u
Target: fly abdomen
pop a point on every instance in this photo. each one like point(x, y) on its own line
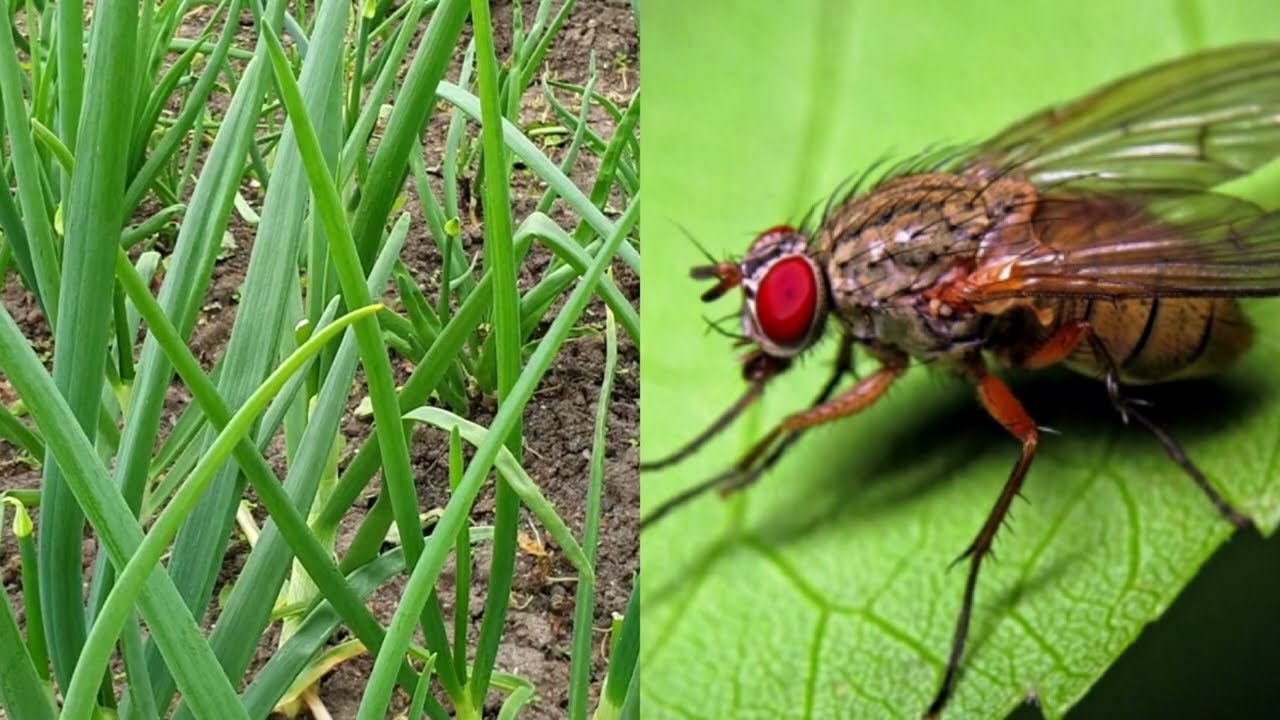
point(1155, 340)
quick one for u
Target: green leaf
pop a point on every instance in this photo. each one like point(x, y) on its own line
point(115, 610)
point(500, 262)
point(430, 563)
point(93, 223)
point(522, 485)
point(21, 691)
point(823, 591)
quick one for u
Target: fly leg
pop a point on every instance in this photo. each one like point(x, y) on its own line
point(759, 369)
point(756, 462)
point(770, 448)
point(1179, 456)
point(765, 453)
point(1064, 341)
point(1001, 404)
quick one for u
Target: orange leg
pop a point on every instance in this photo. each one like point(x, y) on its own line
point(1064, 341)
point(862, 395)
point(1059, 346)
point(1001, 404)
point(748, 469)
point(1004, 407)
point(854, 400)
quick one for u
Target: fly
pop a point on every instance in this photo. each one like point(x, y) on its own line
point(1087, 236)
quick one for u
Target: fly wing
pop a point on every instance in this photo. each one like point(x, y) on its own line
point(1177, 245)
point(1187, 125)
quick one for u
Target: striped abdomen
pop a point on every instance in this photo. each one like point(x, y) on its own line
point(1161, 339)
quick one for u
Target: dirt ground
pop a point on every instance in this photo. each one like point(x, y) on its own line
point(559, 421)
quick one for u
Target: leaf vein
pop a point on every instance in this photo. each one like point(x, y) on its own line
point(667, 632)
point(1134, 544)
point(809, 592)
point(898, 568)
point(815, 659)
point(894, 632)
point(1059, 662)
point(1056, 525)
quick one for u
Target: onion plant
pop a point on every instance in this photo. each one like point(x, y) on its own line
point(126, 167)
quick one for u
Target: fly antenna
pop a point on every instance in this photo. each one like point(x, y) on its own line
point(726, 272)
point(702, 249)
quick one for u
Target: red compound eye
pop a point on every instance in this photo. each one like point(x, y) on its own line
point(787, 301)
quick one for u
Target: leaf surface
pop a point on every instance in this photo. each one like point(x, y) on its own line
point(823, 591)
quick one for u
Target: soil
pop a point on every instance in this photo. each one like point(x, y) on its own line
point(559, 421)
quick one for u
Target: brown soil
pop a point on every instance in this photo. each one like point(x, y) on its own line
point(559, 421)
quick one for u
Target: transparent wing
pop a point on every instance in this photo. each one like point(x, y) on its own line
point(1187, 245)
point(1188, 124)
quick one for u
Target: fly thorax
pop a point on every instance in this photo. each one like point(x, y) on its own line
point(884, 295)
point(884, 264)
point(889, 252)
